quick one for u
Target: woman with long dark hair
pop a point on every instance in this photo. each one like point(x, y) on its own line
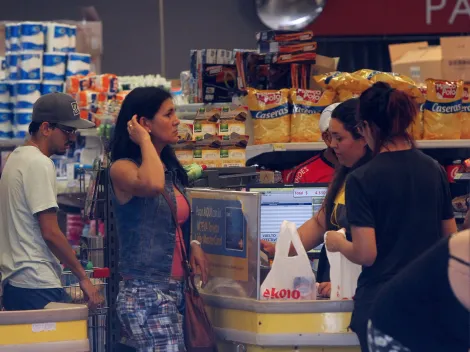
point(398, 204)
point(351, 151)
point(144, 167)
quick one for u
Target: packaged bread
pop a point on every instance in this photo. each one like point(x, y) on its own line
point(465, 113)
point(307, 105)
point(270, 112)
point(442, 109)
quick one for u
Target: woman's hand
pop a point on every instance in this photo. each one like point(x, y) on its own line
point(334, 240)
point(268, 247)
point(137, 133)
point(324, 289)
point(198, 259)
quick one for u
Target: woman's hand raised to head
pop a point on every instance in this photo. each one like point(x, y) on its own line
point(137, 133)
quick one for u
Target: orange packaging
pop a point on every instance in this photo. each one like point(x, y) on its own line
point(442, 109)
point(72, 84)
point(465, 113)
point(87, 98)
point(107, 83)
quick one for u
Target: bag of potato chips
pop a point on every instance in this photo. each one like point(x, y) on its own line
point(307, 105)
point(465, 113)
point(395, 80)
point(271, 117)
point(442, 109)
point(347, 85)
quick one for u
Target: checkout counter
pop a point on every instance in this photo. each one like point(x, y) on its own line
point(227, 223)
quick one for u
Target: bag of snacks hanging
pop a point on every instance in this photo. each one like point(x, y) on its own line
point(465, 113)
point(442, 109)
point(270, 113)
point(307, 105)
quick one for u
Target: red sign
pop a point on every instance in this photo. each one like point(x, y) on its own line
point(392, 17)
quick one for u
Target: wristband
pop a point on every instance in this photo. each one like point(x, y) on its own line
point(196, 242)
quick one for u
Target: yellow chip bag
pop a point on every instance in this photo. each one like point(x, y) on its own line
point(325, 80)
point(307, 105)
point(465, 113)
point(416, 128)
point(442, 109)
point(396, 80)
point(270, 112)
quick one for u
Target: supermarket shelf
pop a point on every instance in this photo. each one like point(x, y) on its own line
point(255, 150)
point(89, 132)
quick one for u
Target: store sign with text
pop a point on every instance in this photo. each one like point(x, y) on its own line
point(392, 17)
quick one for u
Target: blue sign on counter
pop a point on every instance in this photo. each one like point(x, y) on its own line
point(220, 226)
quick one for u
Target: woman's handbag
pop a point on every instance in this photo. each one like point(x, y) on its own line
point(198, 332)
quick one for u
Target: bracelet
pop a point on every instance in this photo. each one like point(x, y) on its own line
point(195, 241)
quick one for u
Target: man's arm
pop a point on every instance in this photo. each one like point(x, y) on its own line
point(58, 244)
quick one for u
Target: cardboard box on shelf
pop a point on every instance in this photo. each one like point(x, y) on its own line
point(450, 60)
point(323, 64)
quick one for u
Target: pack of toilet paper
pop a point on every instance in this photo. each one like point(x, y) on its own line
point(54, 66)
point(78, 64)
point(6, 124)
point(12, 37)
point(21, 120)
point(30, 65)
point(32, 36)
point(27, 92)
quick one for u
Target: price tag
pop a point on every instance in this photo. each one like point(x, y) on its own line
point(279, 147)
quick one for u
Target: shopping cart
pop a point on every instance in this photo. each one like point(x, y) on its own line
point(97, 318)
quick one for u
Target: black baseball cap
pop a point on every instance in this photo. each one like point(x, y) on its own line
point(59, 108)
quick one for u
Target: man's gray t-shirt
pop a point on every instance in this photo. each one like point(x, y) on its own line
point(27, 187)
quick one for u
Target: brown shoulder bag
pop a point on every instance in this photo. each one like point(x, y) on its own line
point(198, 332)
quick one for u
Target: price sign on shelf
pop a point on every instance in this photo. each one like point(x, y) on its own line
point(279, 147)
point(310, 192)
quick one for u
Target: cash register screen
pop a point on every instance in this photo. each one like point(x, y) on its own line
point(292, 203)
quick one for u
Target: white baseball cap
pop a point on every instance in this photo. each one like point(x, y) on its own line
point(325, 117)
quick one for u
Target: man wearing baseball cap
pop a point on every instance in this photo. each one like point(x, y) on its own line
point(31, 242)
point(320, 168)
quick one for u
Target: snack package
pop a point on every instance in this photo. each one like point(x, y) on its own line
point(442, 109)
point(207, 152)
point(347, 85)
point(465, 113)
point(396, 80)
point(270, 112)
point(184, 152)
point(307, 105)
point(286, 48)
point(284, 36)
point(185, 130)
point(219, 83)
point(205, 123)
point(233, 151)
point(232, 121)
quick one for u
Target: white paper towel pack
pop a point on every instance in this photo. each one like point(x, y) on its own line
point(54, 66)
point(57, 37)
point(6, 124)
point(32, 36)
point(12, 37)
point(52, 87)
point(78, 64)
point(12, 91)
point(30, 65)
point(27, 92)
point(21, 121)
point(4, 96)
point(11, 59)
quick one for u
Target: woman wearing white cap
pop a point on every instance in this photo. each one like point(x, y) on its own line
point(351, 151)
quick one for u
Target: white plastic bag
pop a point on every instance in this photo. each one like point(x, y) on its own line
point(290, 278)
point(343, 274)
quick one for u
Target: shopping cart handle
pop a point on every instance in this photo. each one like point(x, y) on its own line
point(101, 273)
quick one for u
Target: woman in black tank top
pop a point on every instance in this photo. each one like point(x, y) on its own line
point(426, 308)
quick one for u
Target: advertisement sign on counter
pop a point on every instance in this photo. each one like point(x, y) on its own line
point(220, 226)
